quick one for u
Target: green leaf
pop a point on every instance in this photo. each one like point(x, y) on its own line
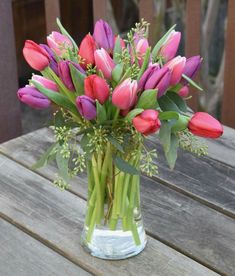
point(193, 83)
point(145, 63)
point(165, 135)
point(133, 113)
point(168, 115)
point(148, 99)
point(181, 123)
point(77, 78)
point(166, 104)
point(101, 113)
point(161, 42)
point(57, 98)
point(64, 32)
point(117, 49)
point(177, 100)
point(117, 72)
point(171, 154)
point(62, 164)
point(124, 166)
point(44, 158)
point(115, 143)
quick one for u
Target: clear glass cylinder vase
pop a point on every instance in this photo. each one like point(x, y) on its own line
point(113, 227)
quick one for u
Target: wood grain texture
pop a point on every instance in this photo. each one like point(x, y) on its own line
point(191, 219)
point(228, 102)
point(22, 255)
point(52, 11)
point(10, 123)
point(56, 218)
point(99, 9)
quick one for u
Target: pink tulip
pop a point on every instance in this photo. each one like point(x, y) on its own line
point(104, 63)
point(183, 92)
point(49, 84)
point(125, 94)
point(176, 66)
point(87, 49)
point(96, 88)
point(147, 122)
point(35, 55)
point(141, 47)
point(59, 43)
point(170, 47)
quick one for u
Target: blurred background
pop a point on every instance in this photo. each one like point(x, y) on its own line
point(207, 26)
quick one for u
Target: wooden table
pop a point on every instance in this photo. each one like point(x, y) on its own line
point(188, 213)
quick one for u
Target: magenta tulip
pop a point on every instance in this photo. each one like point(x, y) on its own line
point(59, 43)
point(147, 122)
point(35, 55)
point(125, 94)
point(141, 46)
point(96, 88)
point(104, 63)
point(103, 35)
point(53, 63)
point(170, 47)
point(147, 74)
point(32, 97)
point(86, 107)
point(49, 84)
point(204, 125)
point(184, 91)
point(176, 66)
point(191, 67)
point(87, 49)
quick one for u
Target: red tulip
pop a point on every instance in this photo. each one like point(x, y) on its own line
point(125, 94)
point(104, 63)
point(96, 87)
point(176, 65)
point(59, 43)
point(147, 122)
point(35, 55)
point(204, 125)
point(87, 49)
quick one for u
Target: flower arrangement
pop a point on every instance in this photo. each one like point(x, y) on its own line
point(110, 93)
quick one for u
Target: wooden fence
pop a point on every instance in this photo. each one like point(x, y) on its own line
point(10, 121)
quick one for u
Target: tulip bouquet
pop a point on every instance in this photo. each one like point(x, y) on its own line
point(110, 94)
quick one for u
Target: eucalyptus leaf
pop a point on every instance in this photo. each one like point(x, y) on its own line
point(166, 104)
point(124, 166)
point(168, 115)
point(131, 115)
point(117, 49)
point(78, 79)
point(171, 154)
point(62, 164)
point(101, 113)
point(115, 143)
point(193, 83)
point(180, 124)
point(44, 158)
point(148, 99)
point(177, 100)
point(162, 41)
point(145, 63)
point(165, 135)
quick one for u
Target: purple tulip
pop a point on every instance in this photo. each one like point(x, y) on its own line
point(103, 35)
point(65, 75)
point(32, 97)
point(160, 80)
point(53, 63)
point(86, 107)
point(191, 67)
point(147, 74)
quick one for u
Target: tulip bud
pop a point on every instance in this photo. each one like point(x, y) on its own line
point(35, 55)
point(125, 94)
point(87, 49)
point(64, 74)
point(86, 107)
point(32, 97)
point(192, 65)
point(147, 122)
point(176, 65)
point(104, 63)
point(160, 80)
point(103, 35)
point(140, 47)
point(59, 43)
point(96, 88)
point(204, 125)
point(170, 47)
point(49, 84)
point(147, 74)
point(53, 63)
point(183, 92)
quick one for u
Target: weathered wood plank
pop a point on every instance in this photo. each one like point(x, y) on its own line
point(56, 218)
point(22, 255)
point(52, 11)
point(32, 145)
point(99, 9)
point(10, 123)
point(228, 102)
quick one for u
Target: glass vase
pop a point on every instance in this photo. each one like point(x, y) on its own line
point(113, 227)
